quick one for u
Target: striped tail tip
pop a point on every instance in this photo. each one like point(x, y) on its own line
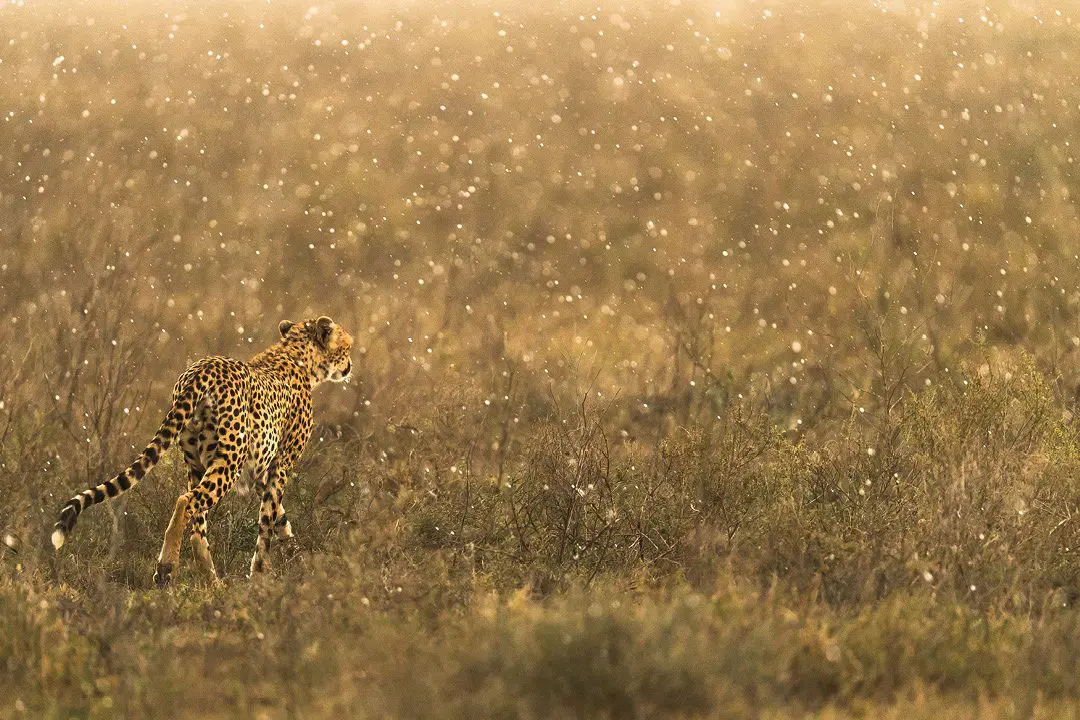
point(58, 538)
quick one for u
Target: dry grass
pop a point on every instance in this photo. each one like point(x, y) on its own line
point(710, 363)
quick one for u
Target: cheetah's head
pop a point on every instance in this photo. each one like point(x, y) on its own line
point(331, 342)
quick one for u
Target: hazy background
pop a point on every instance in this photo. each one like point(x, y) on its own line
point(791, 288)
point(471, 188)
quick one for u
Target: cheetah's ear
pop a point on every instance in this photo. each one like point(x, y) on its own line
point(323, 327)
point(284, 327)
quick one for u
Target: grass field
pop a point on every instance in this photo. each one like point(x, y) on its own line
point(713, 360)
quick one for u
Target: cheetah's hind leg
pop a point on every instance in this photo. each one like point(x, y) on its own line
point(201, 548)
point(169, 557)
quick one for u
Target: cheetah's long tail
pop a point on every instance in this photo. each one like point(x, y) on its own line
point(184, 400)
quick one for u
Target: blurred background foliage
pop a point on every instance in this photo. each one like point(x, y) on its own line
point(659, 194)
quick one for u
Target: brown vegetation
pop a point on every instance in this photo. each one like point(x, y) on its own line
point(710, 363)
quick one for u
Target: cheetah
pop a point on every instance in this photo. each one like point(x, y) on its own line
point(232, 418)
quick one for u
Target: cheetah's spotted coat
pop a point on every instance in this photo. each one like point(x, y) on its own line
point(233, 417)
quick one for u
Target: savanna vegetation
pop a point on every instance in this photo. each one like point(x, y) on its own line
point(713, 360)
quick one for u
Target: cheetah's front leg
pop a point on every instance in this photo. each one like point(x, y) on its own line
point(271, 519)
